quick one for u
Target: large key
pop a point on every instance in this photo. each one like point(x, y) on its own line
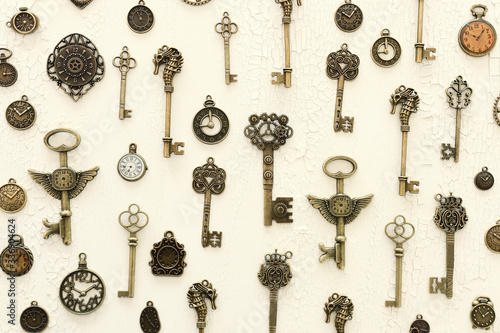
point(286, 77)
point(342, 65)
point(124, 63)
point(226, 28)
point(458, 95)
point(209, 179)
point(173, 61)
point(275, 273)
point(399, 232)
point(421, 52)
point(410, 100)
point(133, 220)
point(450, 217)
point(269, 133)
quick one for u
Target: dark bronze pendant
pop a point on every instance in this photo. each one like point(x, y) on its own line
point(81, 3)
point(34, 319)
point(484, 180)
point(210, 125)
point(21, 115)
point(167, 257)
point(150, 321)
point(420, 325)
point(16, 259)
point(140, 18)
point(8, 73)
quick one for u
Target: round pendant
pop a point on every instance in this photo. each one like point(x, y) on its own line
point(386, 51)
point(12, 197)
point(496, 110)
point(196, 2)
point(167, 256)
point(420, 325)
point(24, 22)
point(132, 166)
point(348, 17)
point(210, 124)
point(482, 314)
point(150, 321)
point(16, 258)
point(484, 180)
point(21, 114)
point(478, 37)
point(492, 238)
point(140, 18)
point(34, 318)
point(8, 73)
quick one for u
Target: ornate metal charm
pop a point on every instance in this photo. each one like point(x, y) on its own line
point(420, 325)
point(132, 166)
point(274, 274)
point(269, 133)
point(20, 115)
point(227, 28)
point(387, 46)
point(124, 63)
point(75, 65)
point(150, 320)
point(82, 291)
point(482, 314)
point(339, 209)
point(167, 256)
point(348, 17)
point(344, 308)
point(196, 296)
point(496, 110)
point(24, 22)
point(12, 197)
point(478, 36)
point(81, 3)
point(8, 73)
point(410, 100)
point(140, 18)
point(196, 2)
point(492, 238)
point(63, 184)
point(420, 52)
point(210, 124)
point(484, 180)
point(16, 259)
point(34, 319)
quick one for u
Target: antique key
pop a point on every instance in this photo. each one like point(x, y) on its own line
point(286, 77)
point(226, 28)
point(339, 209)
point(450, 217)
point(124, 63)
point(63, 184)
point(422, 53)
point(274, 274)
point(399, 232)
point(268, 133)
point(209, 179)
point(173, 61)
point(458, 95)
point(410, 100)
point(342, 65)
point(132, 222)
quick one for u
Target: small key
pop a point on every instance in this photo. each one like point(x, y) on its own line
point(399, 232)
point(209, 179)
point(450, 217)
point(421, 52)
point(133, 220)
point(458, 95)
point(342, 65)
point(226, 28)
point(274, 274)
point(124, 63)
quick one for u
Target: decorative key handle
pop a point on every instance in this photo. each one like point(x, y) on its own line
point(458, 95)
point(63, 184)
point(342, 65)
point(227, 28)
point(339, 209)
point(173, 61)
point(275, 273)
point(133, 220)
point(150, 320)
point(286, 77)
point(420, 325)
point(399, 232)
point(124, 63)
point(409, 100)
point(421, 52)
point(269, 133)
point(450, 217)
point(343, 307)
point(196, 295)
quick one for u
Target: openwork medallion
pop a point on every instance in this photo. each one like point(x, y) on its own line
point(167, 256)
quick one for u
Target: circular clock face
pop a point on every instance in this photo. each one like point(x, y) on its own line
point(25, 22)
point(34, 319)
point(477, 38)
point(349, 17)
point(12, 198)
point(484, 180)
point(64, 179)
point(141, 19)
point(82, 291)
point(132, 167)
point(211, 125)
point(482, 315)
point(341, 205)
point(386, 51)
point(168, 257)
point(16, 261)
point(75, 65)
point(20, 115)
point(8, 74)
point(492, 239)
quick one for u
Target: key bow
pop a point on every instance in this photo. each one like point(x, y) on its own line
point(226, 28)
point(399, 230)
point(124, 62)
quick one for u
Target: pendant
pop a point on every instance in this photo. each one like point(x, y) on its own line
point(34, 319)
point(484, 180)
point(210, 124)
point(16, 258)
point(12, 197)
point(167, 256)
point(150, 321)
point(420, 325)
point(81, 3)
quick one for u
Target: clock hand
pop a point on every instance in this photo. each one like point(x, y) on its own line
point(78, 291)
point(11, 196)
point(480, 35)
point(496, 235)
point(485, 178)
point(349, 16)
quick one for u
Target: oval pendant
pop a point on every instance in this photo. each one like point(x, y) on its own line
point(150, 321)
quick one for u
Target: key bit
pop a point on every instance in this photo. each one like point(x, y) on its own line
point(196, 295)
point(344, 308)
point(420, 51)
point(124, 63)
point(226, 28)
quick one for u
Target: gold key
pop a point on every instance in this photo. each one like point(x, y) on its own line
point(399, 232)
point(124, 63)
point(421, 52)
point(226, 28)
point(133, 221)
point(173, 61)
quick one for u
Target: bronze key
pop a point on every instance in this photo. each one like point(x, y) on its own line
point(226, 28)
point(124, 63)
point(422, 53)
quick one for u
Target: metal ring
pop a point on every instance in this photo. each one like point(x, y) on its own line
point(3, 56)
point(34, 303)
point(63, 147)
point(385, 32)
point(340, 174)
point(289, 254)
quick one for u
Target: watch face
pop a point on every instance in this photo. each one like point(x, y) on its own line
point(141, 19)
point(20, 115)
point(484, 180)
point(492, 239)
point(25, 22)
point(349, 17)
point(386, 51)
point(477, 38)
point(75, 65)
point(12, 198)
point(168, 257)
point(132, 167)
point(482, 315)
point(16, 261)
point(211, 125)
point(341, 205)
point(8, 75)
point(82, 291)
point(64, 179)
point(34, 319)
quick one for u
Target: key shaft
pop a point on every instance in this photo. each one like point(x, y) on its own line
point(450, 263)
point(132, 243)
point(420, 51)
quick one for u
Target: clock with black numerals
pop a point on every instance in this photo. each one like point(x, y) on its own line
point(348, 17)
point(478, 37)
point(34, 319)
point(132, 166)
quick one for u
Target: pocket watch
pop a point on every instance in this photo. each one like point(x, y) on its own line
point(21, 114)
point(140, 18)
point(24, 22)
point(82, 291)
point(16, 258)
point(492, 238)
point(12, 197)
point(482, 314)
point(167, 256)
point(34, 318)
point(196, 2)
point(348, 17)
point(210, 124)
point(478, 37)
point(132, 166)
point(8, 73)
point(420, 325)
point(484, 180)
point(150, 321)
point(386, 51)
point(81, 3)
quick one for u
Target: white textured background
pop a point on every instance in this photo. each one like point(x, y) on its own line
point(165, 193)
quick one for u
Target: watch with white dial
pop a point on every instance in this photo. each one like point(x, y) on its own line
point(132, 166)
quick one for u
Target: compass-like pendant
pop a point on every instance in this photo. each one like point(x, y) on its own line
point(210, 125)
point(386, 51)
point(34, 319)
point(140, 18)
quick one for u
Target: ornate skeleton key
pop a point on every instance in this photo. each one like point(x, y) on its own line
point(422, 53)
point(458, 95)
point(286, 77)
point(342, 65)
point(275, 273)
point(226, 28)
point(173, 61)
point(132, 222)
point(339, 209)
point(63, 184)
point(124, 63)
point(196, 296)
point(344, 308)
point(450, 217)
point(399, 232)
point(268, 133)
point(209, 179)
point(410, 100)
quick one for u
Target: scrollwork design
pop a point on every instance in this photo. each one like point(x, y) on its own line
point(450, 216)
point(268, 130)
